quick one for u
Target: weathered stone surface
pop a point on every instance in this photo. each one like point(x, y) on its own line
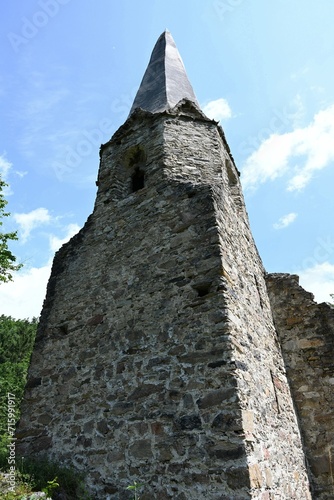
point(227, 422)
point(144, 391)
point(189, 422)
point(227, 451)
point(141, 449)
point(215, 398)
point(238, 478)
point(308, 349)
point(255, 475)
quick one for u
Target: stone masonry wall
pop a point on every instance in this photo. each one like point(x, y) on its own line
point(274, 453)
point(306, 333)
point(156, 358)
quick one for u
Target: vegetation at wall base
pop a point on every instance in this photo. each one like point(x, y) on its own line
point(40, 474)
point(17, 339)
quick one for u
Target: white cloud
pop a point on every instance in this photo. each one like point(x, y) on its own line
point(31, 220)
point(56, 243)
point(319, 280)
point(285, 221)
point(268, 162)
point(21, 173)
point(5, 166)
point(218, 109)
point(23, 297)
point(304, 150)
point(297, 117)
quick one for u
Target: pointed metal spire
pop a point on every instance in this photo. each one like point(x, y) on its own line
point(165, 81)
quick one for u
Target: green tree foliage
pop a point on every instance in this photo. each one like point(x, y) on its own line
point(17, 339)
point(16, 343)
point(7, 259)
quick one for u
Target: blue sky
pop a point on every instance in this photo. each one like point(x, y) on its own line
point(69, 72)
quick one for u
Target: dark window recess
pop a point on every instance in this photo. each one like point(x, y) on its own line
point(137, 180)
point(203, 289)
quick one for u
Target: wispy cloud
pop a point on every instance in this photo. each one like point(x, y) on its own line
point(21, 173)
point(39, 104)
point(56, 243)
point(319, 279)
point(38, 113)
point(300, 73)
point(5, 167)
point(304, 150)
point(298, 116)
point(285, 221)
point(31, 220)
point(218, 110)
point(46, 101)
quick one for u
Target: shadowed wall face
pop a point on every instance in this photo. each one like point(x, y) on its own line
point(133, 358)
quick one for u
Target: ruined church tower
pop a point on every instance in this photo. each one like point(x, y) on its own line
point(156, 358)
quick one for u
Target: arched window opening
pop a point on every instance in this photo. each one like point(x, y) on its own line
point(134, 161)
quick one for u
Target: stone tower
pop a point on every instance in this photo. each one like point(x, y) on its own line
point(156, 358)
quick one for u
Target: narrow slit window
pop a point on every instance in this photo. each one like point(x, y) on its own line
point(138, 180)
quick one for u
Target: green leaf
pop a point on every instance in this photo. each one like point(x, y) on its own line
point(7, 259)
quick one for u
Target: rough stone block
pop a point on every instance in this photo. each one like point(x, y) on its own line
point(227, 451)
point(255, 476)
point(237, 477)
point(141, 449)
point(215, 398)
point(189, 422)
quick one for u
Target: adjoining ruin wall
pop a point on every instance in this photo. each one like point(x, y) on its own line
point(156, 358)
point(306, 333)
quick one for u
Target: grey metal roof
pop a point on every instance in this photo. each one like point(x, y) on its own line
point(165, 81)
